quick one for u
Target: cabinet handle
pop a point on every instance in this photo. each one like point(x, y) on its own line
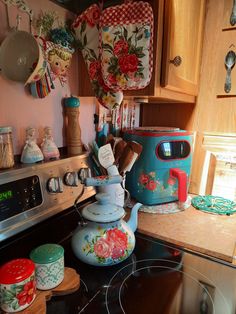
point(176, 61)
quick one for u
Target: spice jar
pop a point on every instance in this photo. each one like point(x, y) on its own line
point(49, 262)
point(17, 285)
point(6, 148)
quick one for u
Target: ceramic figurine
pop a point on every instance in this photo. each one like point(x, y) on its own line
point(49, 148)
point(31, 152)
point(59, 53)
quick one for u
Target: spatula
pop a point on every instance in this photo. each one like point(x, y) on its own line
point(105, 156)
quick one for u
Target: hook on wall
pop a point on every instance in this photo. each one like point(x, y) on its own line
point(232, 46)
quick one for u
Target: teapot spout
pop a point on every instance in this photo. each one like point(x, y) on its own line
point(133, 220)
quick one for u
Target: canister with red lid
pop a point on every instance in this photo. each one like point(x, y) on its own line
point(17, 285)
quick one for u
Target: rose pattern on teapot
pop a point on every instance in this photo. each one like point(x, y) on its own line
point(108, 245)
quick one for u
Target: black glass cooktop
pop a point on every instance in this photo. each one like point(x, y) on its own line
point(155, 279)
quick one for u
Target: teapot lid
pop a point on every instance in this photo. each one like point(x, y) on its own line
point(103, 210)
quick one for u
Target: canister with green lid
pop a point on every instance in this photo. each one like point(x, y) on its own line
point(49, 262)
point(6, 147)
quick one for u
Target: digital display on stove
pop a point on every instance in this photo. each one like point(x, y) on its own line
point(6, 195)
point(19, 196)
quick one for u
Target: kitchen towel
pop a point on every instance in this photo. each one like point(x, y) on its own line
point(86, 27)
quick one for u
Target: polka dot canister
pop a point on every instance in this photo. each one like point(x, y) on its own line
point(49, 262)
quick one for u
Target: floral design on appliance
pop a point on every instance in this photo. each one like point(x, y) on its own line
point(108, 245)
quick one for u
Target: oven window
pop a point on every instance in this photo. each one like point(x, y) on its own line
point(173, 150)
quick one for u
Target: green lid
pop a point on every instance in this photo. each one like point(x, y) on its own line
point(72, 102)
point(5, 129)
point(46, 253)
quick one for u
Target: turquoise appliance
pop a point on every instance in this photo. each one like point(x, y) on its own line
point(161, 173)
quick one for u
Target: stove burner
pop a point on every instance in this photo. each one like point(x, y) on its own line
point(154, 287)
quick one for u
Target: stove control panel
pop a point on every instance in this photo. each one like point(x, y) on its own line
point(35, 192)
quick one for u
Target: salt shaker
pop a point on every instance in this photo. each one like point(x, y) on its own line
point(17, 285)
point(49, 148)
point(73, 131)
point(31, 152)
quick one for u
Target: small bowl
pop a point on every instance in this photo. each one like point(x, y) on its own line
point(17, 285)
point(49, 262)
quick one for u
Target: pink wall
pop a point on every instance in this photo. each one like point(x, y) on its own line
point(19, 110)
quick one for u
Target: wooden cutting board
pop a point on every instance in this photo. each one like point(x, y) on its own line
point(70, 284)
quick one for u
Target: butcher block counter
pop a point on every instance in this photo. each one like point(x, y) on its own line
point(192, 229)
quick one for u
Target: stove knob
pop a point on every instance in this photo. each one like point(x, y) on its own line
point(84, 173)
point(71, 179)
point(54, 185)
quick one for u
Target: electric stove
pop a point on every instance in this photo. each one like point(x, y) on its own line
point(156, 278)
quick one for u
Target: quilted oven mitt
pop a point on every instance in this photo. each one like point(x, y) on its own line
point(87, 36)
point(126, 41)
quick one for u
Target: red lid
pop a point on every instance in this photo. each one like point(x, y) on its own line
point(16, 270)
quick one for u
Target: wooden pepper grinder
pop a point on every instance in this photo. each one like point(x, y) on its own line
point(73, 131)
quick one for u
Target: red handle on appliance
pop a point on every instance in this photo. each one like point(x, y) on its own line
point(181, 176)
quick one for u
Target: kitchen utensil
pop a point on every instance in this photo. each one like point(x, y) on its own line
point(70, 284)
point(21, 58)
point(105, 156)
point(130, 153)
point(106, 239)
point(229, 63)
point(49, 263)
point(161, 173)
point(119, 149)
point(17, 285)
point(233, 14)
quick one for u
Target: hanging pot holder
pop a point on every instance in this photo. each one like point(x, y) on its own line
point(87, 37)
point(126, 45)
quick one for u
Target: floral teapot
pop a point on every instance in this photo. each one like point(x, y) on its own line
point(106, 239)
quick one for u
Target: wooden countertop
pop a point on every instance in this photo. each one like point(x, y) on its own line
point(210, 234)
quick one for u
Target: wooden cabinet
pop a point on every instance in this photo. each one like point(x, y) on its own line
point(182, 44)
point(178, 28)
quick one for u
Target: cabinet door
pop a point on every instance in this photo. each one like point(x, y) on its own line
point(183, 32)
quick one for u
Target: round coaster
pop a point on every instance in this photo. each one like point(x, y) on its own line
point(214, 204)
point(166, 208)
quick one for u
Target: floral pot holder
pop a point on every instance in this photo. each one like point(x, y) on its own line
point(87, 36)
point(126, 45)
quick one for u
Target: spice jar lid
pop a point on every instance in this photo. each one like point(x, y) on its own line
point(47, 253)
point(5, 129)
point(16, 271)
